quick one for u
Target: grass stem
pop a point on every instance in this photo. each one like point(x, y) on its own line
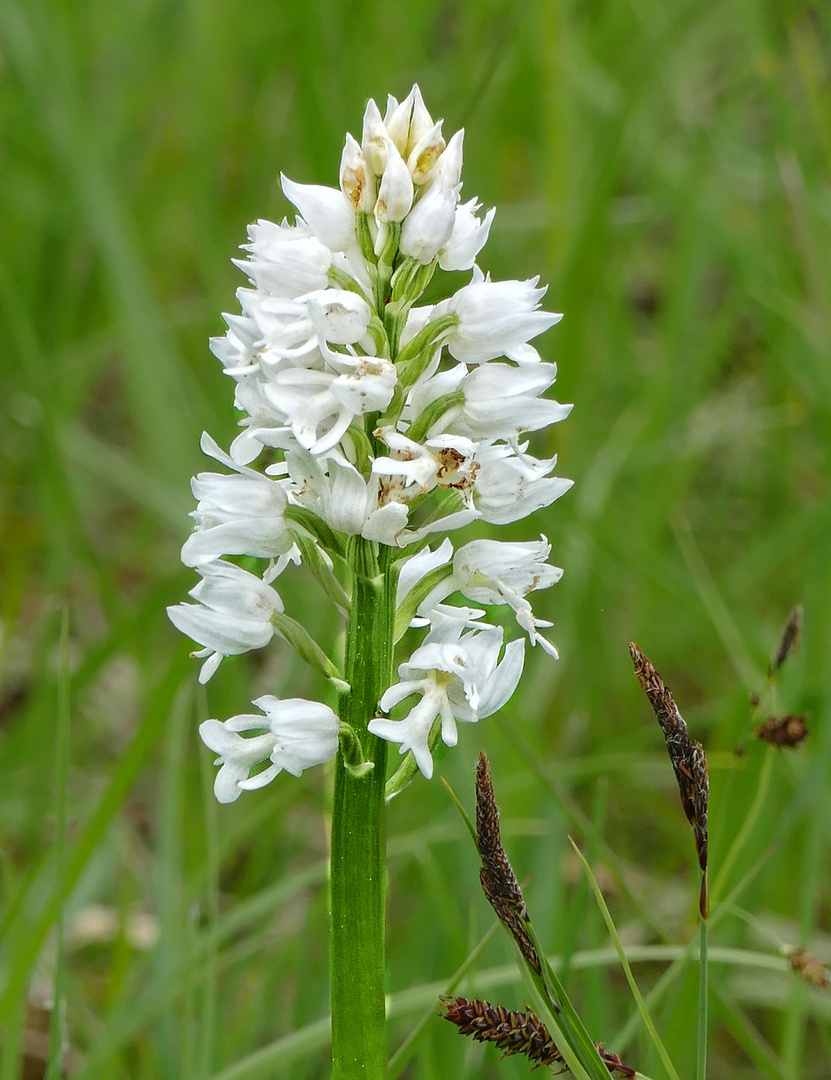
point(701, 1055)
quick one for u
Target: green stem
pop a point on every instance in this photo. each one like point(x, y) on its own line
point(701, 1057)
point(748, 825)
point(357, 880)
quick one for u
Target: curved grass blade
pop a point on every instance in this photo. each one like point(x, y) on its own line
point(630, 978)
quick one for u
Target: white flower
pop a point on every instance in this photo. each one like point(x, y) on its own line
point(286, 330)
point(284, 260)
point(460, 678)
point(467, 238)
point(366, 383)
point(303, 398)
point(338, 316)
point(319, 406)
point(448, 461)
point(237, 351)
point(428, 226)
point(299, 734)
point(495, 317)
point(327, 212)
point(494, 572)
point(236, 515)
point(499, 400)
point(502, 400)
point(237, 756)
point(233, 614)
point(346, 500)
point(510, 486)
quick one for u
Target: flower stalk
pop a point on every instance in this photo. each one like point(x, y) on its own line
point(357, 878)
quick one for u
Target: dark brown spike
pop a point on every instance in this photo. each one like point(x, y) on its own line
point(498, 880)
point(789, 642)
point(489, 841)
point(517, 1033)
point(509, 916)
point(512, 1032)
point(783, 731)
point(698, 794)
point(689, 761)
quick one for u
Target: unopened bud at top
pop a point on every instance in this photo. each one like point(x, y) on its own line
point(395, 195)
point(408, 122)
point(447, 171)
point(374, 139)
point(426, 153)
point(356, 180)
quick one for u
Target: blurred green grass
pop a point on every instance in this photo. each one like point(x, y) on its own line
point(667, 169)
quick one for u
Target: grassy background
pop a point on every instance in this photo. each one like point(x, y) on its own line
point(665, 166)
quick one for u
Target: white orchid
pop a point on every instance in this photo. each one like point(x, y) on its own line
point(467, 237)
point(298, 734)
point(233, 614)
point(459, 677)
point(494, 572)
point(382, 421)
point(237, 515)
point(283, 261)
point(495, 318)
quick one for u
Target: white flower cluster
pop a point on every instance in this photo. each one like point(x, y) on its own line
point(382, 419)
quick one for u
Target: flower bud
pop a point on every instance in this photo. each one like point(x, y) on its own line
point(356, 180)
point(428, 226)
point(425, 154)
point(395, 195)
point(374, 139)
point(408, 122)
point(447, 172)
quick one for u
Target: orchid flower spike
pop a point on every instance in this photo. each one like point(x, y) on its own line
point(372, 421)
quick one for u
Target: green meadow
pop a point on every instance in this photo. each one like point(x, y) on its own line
point(666, 168)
